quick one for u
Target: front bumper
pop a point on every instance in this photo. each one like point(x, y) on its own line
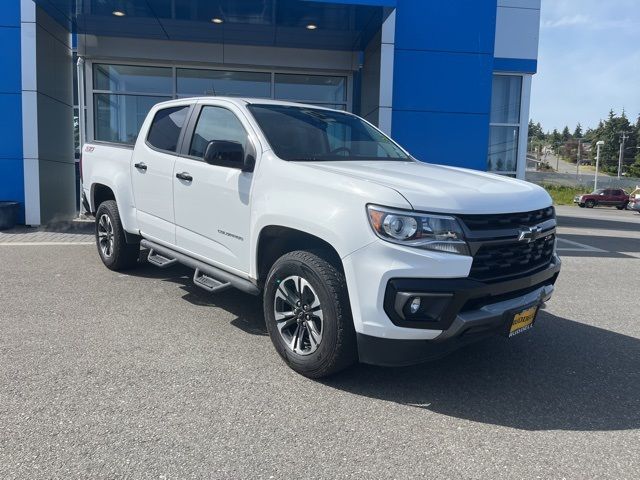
point(476, 310)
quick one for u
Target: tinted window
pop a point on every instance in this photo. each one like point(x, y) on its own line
point(166, 126)
point(216, 123)
point(310, 134)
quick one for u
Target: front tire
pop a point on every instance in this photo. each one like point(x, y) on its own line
point(114, 251)
point(590, 204)
point(306, 309)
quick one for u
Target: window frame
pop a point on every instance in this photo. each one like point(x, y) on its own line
point(193, 124)
point(521, 125)
point(174, 66)
point(190, 108)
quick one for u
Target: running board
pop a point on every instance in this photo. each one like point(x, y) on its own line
point(206, 276)
point(160, 260)
point(208, 283)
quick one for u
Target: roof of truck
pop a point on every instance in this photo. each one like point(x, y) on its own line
point(241, 101)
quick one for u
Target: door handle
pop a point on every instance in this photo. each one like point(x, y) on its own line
point(184, 176)
point(141, 166)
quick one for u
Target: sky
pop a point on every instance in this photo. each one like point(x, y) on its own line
point(588, 62)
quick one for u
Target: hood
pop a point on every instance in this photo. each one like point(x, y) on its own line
point(438, 188)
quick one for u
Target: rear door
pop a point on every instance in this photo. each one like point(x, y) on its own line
point(620, 197)
point(152, 173)
point(211, 202)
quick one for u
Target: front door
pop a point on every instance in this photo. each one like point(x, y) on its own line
point(211, 202)
point(152, 174)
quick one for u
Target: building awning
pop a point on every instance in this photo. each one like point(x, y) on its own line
point(322, 24)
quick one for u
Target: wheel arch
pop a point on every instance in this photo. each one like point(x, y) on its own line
point(277, 240)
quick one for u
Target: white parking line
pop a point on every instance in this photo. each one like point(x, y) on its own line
point(576, 246)
point(29, 244)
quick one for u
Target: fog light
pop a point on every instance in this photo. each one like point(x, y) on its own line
point(415, 305)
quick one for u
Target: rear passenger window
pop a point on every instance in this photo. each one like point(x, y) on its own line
point(165, 128)
point(216, 123)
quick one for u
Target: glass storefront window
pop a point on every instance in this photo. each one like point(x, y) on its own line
point(504, 124)
point(505, 99)
point(133, 79)
point(124, 94)
point(118, 118)
point(311, 88)
point(197, 82)
point(503, 149)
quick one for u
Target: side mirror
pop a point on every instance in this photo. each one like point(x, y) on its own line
point(230, 154)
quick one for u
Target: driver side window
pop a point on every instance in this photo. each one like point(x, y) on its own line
point(216, 123)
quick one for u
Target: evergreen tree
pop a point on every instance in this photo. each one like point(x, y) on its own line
point(577, 133)
point(566, 134)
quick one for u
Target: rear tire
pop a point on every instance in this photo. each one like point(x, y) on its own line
point(114, 251)
point(622, 207)
point(306, 309)
point(589, 204)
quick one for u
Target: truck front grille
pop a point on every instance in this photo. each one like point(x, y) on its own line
point(502, 221)
point(497, 262)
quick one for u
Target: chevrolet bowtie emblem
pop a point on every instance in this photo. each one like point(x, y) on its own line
point(529, 234)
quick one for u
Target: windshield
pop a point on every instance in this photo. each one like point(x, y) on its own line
point(311, 134)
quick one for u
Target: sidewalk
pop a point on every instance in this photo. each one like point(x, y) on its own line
point(78, 232)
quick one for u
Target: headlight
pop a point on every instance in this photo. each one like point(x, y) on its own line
point(420, 230)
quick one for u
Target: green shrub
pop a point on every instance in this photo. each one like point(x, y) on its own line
point(563, 195)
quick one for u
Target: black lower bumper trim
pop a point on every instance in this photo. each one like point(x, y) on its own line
point(385, 352)
point(466, 294)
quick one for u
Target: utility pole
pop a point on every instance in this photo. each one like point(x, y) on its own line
point(578, 159)
point(623, 139)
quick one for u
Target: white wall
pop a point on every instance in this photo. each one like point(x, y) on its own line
point(517, 29)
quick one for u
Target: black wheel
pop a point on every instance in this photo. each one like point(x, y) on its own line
point(589, 204)
point(113, 248)
point(622, 207)
point(581, 205)
point(306, 308)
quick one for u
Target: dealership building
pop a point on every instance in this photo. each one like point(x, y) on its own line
point(448, 79)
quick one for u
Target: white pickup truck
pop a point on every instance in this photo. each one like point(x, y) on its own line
point(359, 251)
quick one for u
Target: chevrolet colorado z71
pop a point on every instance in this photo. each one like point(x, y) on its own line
point(359, 251)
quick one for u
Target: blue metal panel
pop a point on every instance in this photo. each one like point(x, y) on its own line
point(10, 80)
point(446, 25)
point(443, 67)
point(12, 182)
point(442, 81)
point(11, 163)
point(447, 138)
point(11, 125)
point(519, 65)
point(10, 13)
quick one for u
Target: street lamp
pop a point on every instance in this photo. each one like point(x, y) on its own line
point(595, 181)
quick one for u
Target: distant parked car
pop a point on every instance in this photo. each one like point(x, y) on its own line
point(605, 197)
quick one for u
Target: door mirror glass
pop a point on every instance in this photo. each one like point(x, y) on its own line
point(224, 153)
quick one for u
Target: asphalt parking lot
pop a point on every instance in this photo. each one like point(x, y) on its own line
point(108, 375)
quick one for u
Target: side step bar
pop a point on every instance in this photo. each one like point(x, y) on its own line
point(159, 260)
point(206, 276)
point(210, 284)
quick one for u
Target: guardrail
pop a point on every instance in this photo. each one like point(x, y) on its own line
point(583, 180)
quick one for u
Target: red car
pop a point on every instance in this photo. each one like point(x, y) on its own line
point(606, 197)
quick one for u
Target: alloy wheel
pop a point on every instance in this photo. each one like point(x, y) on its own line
point(105, 235)
point(298, 314)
